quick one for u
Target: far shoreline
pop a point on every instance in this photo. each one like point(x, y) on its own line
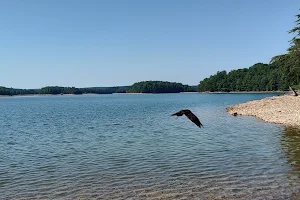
point(132, 93)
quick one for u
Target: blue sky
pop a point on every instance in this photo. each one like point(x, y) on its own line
point(119, 42)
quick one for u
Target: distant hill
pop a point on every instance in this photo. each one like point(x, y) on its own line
point(160, 87)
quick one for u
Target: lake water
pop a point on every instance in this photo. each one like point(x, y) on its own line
point(128, 147)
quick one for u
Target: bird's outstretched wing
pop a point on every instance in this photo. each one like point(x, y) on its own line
point(193, 118)
point(190, 115)
point(180, 113)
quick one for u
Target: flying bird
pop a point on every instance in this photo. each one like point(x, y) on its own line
point(189, 115)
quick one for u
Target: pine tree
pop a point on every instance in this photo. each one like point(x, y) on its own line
point(294, 53)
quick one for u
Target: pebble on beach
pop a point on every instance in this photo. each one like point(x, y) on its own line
point(278, 109)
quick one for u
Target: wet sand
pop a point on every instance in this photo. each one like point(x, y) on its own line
point(278, 109)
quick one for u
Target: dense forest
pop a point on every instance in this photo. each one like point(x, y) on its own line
point(90, 90)
point(63, 90)
point(141, 87)
point(12, 91)
point(160, 87)
point(282, 71)
point(259, 77)
point(105, 90)
point(60, 90)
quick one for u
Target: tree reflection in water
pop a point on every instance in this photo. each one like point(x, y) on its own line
point(290, 143)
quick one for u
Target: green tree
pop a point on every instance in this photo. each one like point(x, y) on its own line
point(290, 62)
point(159, 87)
point(259, 77)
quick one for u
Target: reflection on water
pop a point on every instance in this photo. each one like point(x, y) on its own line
point(290, 142)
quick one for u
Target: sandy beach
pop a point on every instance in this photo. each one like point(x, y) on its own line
point(278, 109)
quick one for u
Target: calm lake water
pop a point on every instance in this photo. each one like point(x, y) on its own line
point(128, 147)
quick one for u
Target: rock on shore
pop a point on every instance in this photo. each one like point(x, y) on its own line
point(280, 109)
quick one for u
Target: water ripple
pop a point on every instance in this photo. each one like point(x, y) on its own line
point(128, 147)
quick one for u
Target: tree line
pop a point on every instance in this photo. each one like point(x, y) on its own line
point(60, 90)
point(89, 90)
point(160, 87)
point(259, 77)
point(282, 71)
point(13, 91)
point(55, 90)
point(140, 87)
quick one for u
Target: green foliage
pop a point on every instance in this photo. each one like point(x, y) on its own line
point(159, 87)
point(188, 88)
point(90, 90)
point(104, 90)
point(55, 90)
point(259, 77)
point(99, 90)
point(122, 89)
point(289, 64)
point(4, 91)
point(144, 87)
point(296, 87)
point(60, 90)
point(12, 91)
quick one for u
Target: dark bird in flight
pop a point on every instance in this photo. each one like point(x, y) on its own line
point(189, 115)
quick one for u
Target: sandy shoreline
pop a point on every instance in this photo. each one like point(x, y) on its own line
point(246, 92)
point(278, 109)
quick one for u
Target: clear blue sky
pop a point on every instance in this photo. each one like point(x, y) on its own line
point(86, 43)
